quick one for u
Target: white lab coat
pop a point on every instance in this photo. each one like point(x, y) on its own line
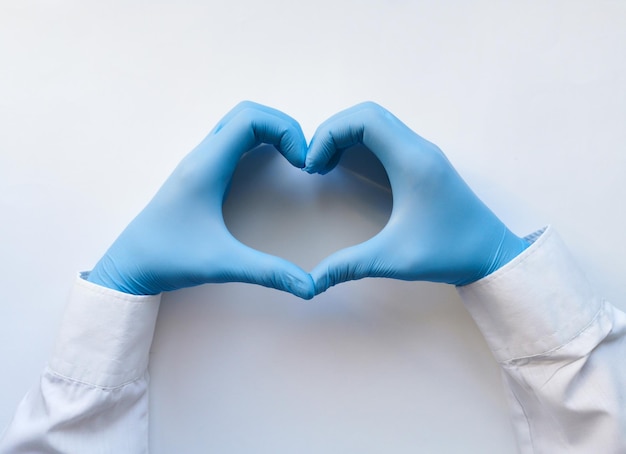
point(561, 348)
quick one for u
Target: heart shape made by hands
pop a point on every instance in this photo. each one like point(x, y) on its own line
point(276, 208)
point(438, 230)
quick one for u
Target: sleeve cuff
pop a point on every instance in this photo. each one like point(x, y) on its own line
point(534, 304)
point(105, 336)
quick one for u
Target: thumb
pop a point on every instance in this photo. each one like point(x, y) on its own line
point(255, 267)
point(355, 262)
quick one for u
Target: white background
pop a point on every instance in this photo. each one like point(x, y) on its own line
point(100, 100)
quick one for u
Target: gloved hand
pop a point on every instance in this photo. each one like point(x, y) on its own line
point(180, 239)
point(438, 230)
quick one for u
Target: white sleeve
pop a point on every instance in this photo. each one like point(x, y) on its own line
point(562, 350)
point(93, 395)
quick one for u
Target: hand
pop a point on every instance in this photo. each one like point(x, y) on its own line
point(438, 230)
point(180, 239)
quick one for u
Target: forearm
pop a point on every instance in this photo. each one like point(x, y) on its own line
point(93, 395)
point(560, 347)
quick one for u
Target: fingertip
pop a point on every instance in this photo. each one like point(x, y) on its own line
point(319, 152)
point(297, 282)
point(309, 167)
point(321, 278)
point(290, 278)
point(294, 148)
point(286, 134)
point(309, 162)
point(306, 290)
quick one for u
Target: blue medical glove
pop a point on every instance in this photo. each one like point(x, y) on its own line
point(438, 230)
point(180, 239)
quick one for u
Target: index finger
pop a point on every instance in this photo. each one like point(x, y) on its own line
point(250, 124)
point(367, 123)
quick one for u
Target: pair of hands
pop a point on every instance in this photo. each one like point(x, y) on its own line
point(438, 230)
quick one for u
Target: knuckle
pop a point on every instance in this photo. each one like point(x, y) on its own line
point(246, 104)
point(374, 113)
point(246, 111)
point(247, 115)
point(433, 164)
point(371, 105)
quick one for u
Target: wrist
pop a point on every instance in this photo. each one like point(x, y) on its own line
point(508, 247)
point(106, 274)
